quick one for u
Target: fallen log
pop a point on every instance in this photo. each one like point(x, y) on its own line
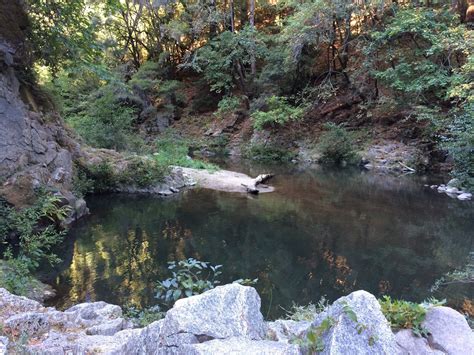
point(252, 188)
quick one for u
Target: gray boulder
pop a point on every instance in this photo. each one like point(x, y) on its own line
point(414, 345)
point(3, 345)
point(241, 346)
point(359, 327)
point(449, 331)
point(31, 323)
point(226, 311)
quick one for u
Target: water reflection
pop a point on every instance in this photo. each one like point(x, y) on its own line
point(321, 233)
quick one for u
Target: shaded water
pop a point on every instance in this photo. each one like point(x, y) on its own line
point(321, 233)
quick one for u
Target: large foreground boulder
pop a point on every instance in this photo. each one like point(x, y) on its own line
point(449, 331)
point(358, 327)
point(226, 311)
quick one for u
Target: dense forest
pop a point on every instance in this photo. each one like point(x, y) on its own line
point(336, 74)
point(136, 100)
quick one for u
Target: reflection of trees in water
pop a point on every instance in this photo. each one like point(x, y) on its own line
point(314, 237)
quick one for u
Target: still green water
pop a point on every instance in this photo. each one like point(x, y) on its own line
point(320, 233)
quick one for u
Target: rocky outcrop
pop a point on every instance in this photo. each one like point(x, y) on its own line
point(358, 327)
point(35, 147)
point(225, 320)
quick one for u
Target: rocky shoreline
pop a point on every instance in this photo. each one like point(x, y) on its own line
point(225, 320)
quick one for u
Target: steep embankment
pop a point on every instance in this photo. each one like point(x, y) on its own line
point(35, 148)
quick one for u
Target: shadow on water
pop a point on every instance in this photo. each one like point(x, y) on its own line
point(321, 233)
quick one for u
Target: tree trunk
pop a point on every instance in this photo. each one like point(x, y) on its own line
point(253, 64)
point(212, 22)
point(252, 189)
point(232, 26)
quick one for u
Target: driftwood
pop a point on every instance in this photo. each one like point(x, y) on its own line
point(252, 188)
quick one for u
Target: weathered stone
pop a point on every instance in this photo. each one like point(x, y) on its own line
point(31, 323)
point(94, 313)
point(369, 334)
point(449, 331)
point(3, 345)
point(238, 345)
point(286, 330)
point(414, 345)
point(226, 311)
point(11, 305)
point(107, 328)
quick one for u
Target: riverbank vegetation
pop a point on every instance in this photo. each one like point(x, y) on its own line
point(121, 72)
point(27, 238)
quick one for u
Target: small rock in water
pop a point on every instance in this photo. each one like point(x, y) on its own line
point(433, 186)
point(441, 188)
point(452, 190)
point(465, 196)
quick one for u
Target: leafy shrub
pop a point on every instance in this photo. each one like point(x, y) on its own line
point(267, 153)
point(336, 145)
point(407, 315)
point(279, 113)
point(107, 122)
point(228, 105)
point(190, 277)
point(173, 150)
point(143, 172)
point(103, 176)
point(33, 239)
point(421, 45)
point(224, 58)
point(142, 317)
point(307, 312)
point(313, 340)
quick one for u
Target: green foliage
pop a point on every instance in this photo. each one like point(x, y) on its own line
point(278, 113)
point(313, 342)
point(142, 317)
point(62, 32)
point(190, 277)
point(307, 312)
point(173, 150)
point(404, 315)
point(106, 122)
point(225, 58)
point(228, 105)
point(143, 172)
point(336, 145)
point(421, 45)
point(460, 143)
point(458, 276)
point(267, 153)
point(29, 237)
